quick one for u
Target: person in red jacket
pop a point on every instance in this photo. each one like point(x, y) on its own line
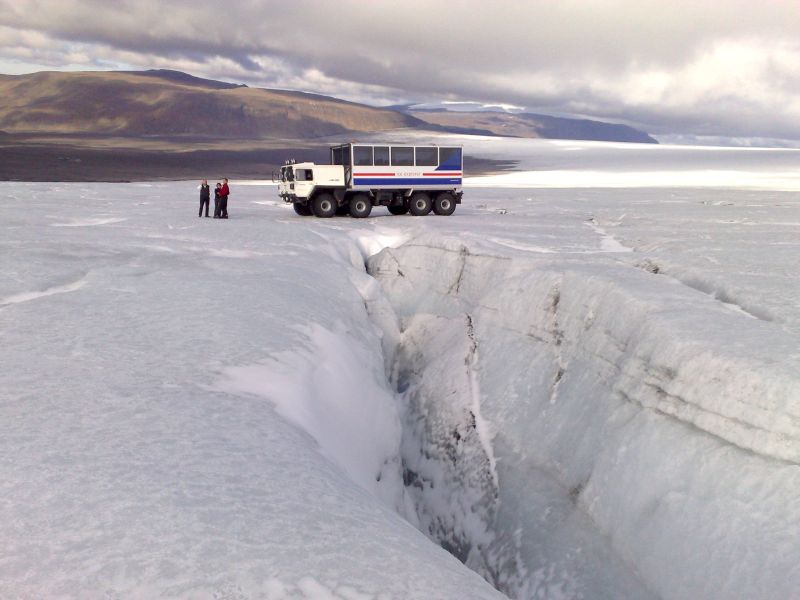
point(223, 199)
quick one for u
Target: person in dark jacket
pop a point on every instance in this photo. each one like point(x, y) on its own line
point(223, 199)
point(205, 194)
point(217, 201)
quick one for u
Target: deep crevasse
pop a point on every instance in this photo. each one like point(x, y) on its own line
point(620, 406)
point(165, 477)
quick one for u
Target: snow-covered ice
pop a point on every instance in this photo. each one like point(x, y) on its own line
point(580, 391)
point(139, 457)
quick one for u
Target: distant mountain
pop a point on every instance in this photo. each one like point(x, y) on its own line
point(170, 103)
point(531, 125)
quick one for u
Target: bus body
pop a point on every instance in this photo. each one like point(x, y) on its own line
point(404, 178)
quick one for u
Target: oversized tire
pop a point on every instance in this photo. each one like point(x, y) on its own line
point(399, 209)
point(420, 204)
point(360, 206)
point(324, 206)
point(302, 209)
point(445, 204)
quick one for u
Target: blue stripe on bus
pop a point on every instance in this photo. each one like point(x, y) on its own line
point(406, 181)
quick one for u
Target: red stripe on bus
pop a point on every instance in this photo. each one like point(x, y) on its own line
point(440, 174)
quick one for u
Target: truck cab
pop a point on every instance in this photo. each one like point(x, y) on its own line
point(298, 181)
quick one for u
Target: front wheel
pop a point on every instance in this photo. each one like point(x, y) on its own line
point(398, 209)
point(444, 204)
point(324, 206)
point(420, 204)
point(302, 209)
point(360, 206)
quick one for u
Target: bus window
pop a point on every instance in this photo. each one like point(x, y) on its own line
point(381, 156)
point(427, 156)
point(403, 156)
point(450, 158)
point(362, 156)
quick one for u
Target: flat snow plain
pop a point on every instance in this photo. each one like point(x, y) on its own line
point(585, 383)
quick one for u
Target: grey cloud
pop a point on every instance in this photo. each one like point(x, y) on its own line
point(692, 67)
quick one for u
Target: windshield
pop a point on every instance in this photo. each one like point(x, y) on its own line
point(287, 174)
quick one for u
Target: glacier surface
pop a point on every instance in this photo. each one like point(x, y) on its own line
point(578, 391)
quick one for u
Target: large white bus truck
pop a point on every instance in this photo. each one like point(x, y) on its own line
point(415, 179)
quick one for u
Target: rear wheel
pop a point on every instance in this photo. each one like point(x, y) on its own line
point(324, 206)
point(399, 209)
point(420, 204)
point(444, 204)
point(360, 206)
point(302, 209)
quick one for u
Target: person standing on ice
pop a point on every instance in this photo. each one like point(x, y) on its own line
point(205, 194)
point(223, 199)
point(217, 200)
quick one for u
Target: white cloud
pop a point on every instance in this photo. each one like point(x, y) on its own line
point(695, 67)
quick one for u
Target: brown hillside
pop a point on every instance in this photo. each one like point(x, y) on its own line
point(163, 104)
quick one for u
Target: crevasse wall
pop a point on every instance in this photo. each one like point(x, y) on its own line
point(629, 442)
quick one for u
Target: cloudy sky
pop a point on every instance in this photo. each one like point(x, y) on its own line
point(707, 67)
